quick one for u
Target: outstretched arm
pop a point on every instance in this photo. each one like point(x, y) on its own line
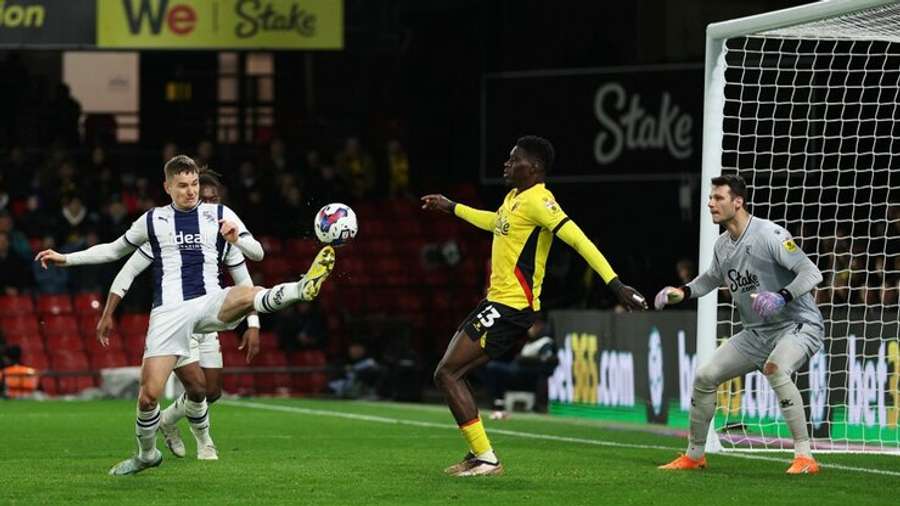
point(99, 254)
point(710, 280)
point(571, 234)
point(481, 219)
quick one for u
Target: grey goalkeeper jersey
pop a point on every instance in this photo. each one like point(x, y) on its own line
point(764, 258)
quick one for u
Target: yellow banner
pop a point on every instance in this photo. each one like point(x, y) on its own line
point(220, 24)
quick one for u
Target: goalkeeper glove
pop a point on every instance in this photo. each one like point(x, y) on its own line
point(767, 304)
point(668, 295)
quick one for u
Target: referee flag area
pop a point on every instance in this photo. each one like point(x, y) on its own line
point(297, 451)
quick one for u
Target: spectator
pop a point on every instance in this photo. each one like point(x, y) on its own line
point(685, 272)
point(89, 278)
point(206, 154)
point(301, 327)
point(74, 222)
point(66, 116)
point(357, 166)
point(362, 375)
point(15, 274)
point(51, 279)
point(277, 160)
point(17, 240)
point(327, 186)
point(398, 170)
point(527, 371)
point(4, 195)
point(15, 171)
point(20, 381)
point(114, 221)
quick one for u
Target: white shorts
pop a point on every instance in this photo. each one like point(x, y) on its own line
point(206, 349)
point(172, 325)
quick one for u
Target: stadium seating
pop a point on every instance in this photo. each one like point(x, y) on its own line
point(134, 324)
point(87, 325)
point(92, 346)
point(71, 361)
point(272, 382)
point(64, 343)
point(88, 303)
point(59, 324)
point(108, 359)
point(15, 305)
point(20, 324)
point(28, 342)
point(54, 305)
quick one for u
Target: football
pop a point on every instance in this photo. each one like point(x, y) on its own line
point(335, 224)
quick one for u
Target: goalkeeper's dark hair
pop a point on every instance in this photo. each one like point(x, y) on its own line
point(539, 149)
point(736, 186)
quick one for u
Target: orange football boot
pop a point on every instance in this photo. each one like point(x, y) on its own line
point(685, 463)
point(803, 465)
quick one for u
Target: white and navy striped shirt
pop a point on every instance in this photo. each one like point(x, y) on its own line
point(185, 247)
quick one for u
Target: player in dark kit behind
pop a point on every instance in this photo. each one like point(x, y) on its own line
point(523, 229)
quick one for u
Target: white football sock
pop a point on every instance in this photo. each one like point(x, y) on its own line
point(277, 297)
point(488, 456)
point(145, 430)
point(197, 414)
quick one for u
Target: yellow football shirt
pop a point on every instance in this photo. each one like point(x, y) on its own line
point(523, 232)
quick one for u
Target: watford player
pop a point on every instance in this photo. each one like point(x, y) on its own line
point(523, 229)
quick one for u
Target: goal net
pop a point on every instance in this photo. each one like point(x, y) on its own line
point(807, 112)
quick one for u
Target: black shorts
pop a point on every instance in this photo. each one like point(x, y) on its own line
point(498, 328)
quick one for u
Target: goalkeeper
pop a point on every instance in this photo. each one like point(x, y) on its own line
point(523, 228)
point(770, 280)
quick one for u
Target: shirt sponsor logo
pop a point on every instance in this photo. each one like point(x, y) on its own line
point(188, 241)
point(745, 282)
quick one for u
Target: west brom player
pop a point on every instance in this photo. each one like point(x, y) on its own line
point(770, 279)
point(187, 240)
point(201, 372)
point(523, 228)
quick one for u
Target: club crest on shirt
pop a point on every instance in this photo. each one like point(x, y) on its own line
point(210, 217)
point(790, 246)
point(551, 205)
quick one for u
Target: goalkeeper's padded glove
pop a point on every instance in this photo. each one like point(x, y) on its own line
point(768, 304)
point(666, 296)
point(629, 297)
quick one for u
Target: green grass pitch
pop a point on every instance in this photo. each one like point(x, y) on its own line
point(290, 451)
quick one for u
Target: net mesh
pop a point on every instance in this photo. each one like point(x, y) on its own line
point(811, 122)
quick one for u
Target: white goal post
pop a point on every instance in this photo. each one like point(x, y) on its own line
point(804, 103)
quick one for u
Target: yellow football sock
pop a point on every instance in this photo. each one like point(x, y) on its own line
point(474, 433)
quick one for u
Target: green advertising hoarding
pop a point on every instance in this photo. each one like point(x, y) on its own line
point(639, 368)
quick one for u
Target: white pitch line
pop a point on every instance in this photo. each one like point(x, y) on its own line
point(527, 435)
